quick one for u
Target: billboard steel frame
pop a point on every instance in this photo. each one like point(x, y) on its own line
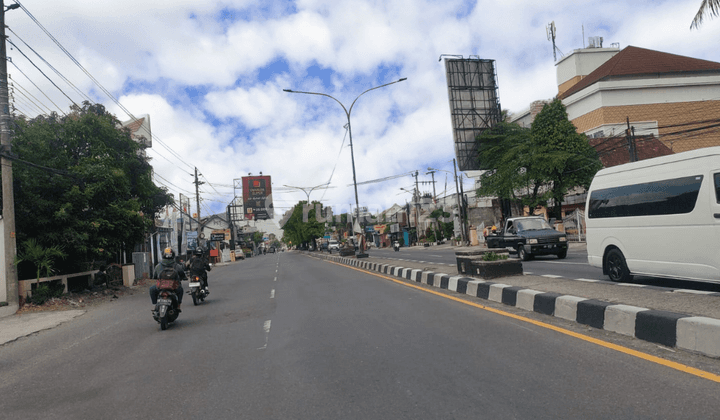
point(474, 105)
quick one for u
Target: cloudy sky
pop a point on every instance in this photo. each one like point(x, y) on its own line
point(211, 76)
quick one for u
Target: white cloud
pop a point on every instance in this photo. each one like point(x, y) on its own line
point(199, 77)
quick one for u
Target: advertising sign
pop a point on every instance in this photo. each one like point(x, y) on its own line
point(474, 105)
point(192, 241)
point(220, 235)
point(257, 197)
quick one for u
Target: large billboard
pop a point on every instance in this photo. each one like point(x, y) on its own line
point(474, 105)
point(257, 197)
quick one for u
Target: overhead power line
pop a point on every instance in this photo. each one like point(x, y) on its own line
point(38, 88)
point(96, 82)
point(80, 92)
point(41, 72)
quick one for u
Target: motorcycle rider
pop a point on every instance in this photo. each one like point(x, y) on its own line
point(168, 261)
point(198, 265)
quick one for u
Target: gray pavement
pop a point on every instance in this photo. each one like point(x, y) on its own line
point(671, 318)
point(15, 326)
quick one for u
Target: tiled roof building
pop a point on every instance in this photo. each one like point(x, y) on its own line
point(672, 97)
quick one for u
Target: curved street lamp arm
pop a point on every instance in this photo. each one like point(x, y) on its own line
point(347, 114)
point(376, 87)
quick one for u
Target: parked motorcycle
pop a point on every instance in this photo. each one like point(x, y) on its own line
point(166, 308)
point(197, 292)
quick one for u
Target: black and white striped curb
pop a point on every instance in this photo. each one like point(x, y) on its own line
point(640, 286)
point(695, 333)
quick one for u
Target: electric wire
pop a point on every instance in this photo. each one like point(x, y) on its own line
point(80, 92)
point(96, 82)
point(24, 92)
point(342, 144)
point(37, 87)
point(41, 72)
point(21, 99)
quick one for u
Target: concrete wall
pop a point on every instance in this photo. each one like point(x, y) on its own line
point(487, 215)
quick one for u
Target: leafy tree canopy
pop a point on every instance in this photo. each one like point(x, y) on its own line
point(297, 231)
point(82, 184)
point(538, 165)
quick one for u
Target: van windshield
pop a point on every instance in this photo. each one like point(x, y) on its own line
point(533, 224)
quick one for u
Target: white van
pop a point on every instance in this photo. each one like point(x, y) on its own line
point(658, 217)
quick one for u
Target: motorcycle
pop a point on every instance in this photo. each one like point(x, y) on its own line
point(197, 292)
point(166, 308)
point(396, 246)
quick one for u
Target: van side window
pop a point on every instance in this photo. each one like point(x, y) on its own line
point(670, 196)
point(717, 187)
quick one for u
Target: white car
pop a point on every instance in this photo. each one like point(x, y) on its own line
point(333, 245)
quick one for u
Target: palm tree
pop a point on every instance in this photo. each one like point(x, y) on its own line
point(711, 7)
point(42, 258)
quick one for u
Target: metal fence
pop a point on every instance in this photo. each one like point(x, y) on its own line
point(575, 225)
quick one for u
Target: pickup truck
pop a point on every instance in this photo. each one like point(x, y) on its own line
point(529, 236)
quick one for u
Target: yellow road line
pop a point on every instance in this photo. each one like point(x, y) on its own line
point(650, 358)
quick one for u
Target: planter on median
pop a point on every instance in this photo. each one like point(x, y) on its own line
point(471, 263)
point(465, 257)
point(347, 252)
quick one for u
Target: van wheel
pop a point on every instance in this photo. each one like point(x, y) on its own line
point(616, 267)
point(562, 254)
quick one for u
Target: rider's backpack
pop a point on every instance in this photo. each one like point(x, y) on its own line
point(197, 266)
point(167, 279)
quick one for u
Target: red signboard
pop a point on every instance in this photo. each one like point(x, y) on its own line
point(257, 197)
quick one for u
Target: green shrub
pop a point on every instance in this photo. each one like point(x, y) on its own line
point(491, 256)
point(47, 290)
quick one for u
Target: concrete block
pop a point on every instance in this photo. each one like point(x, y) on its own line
point(462, 284)
point(472, 287)
point(453, 282)
point(496, 292)
point(415, 275)
point(699, 334)
point(424, 276)
point(438, 279)
point(526, 299)
point(621, 319)
point(592, 312)
point(658, 326)
point(566, 307)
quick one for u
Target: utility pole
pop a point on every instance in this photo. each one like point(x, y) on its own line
point(197, 197)
point(432, 173)
point(8, 199)
point(460, 205)
point(630, 136)
point(417, 204)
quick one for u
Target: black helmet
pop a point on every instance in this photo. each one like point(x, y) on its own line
point(198, 251)
point(168, 254)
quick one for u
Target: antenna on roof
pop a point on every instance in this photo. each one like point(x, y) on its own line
point(551, 31)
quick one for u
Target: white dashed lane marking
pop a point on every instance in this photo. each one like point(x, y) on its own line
point(266, 327)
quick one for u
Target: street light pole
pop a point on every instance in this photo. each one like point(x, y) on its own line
point(308, 190)
point(352, 153)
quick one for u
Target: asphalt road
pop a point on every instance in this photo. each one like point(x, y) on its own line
point(574, 266)
point(285, 336)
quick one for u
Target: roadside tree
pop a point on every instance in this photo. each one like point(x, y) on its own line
point(536, 166)
point(82, 184)
point(297, 231)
